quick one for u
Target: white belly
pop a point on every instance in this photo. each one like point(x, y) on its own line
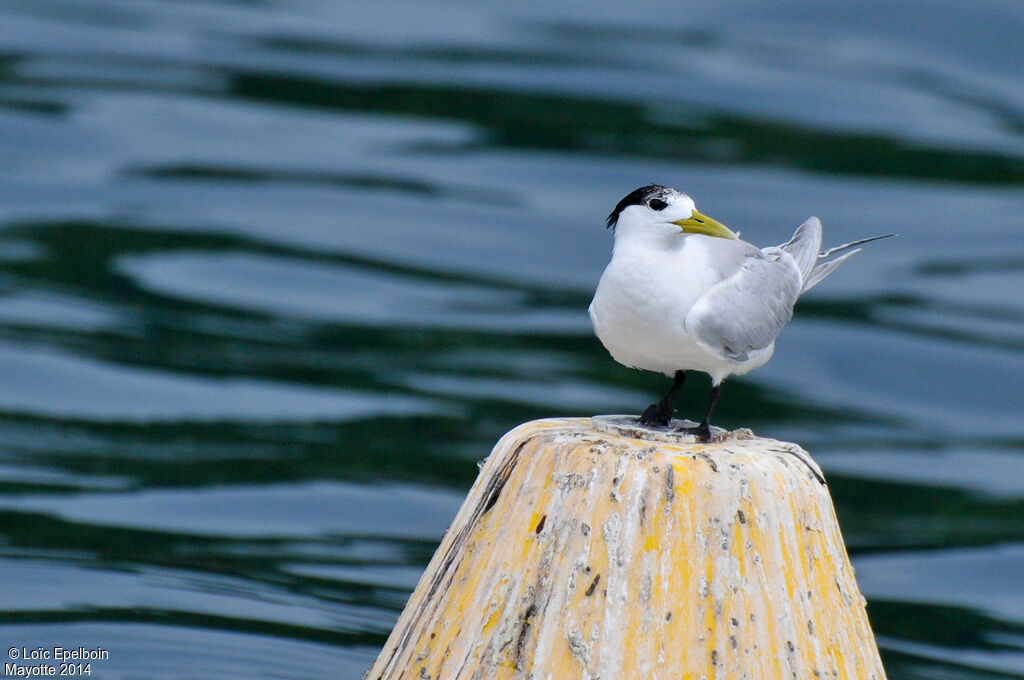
point(639, 314)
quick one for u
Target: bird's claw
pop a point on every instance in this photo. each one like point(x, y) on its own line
point(702, 432)
point(657, 415)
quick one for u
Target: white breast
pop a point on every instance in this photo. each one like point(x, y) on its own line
point(640, 306)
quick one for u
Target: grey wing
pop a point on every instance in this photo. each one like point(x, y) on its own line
point(804, 246)
point(746, 311)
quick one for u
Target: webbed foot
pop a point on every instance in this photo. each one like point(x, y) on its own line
point(658, 415)
point(702, 431)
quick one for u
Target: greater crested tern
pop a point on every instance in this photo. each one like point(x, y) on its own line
point(682, 292)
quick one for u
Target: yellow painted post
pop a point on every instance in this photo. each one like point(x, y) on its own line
point(600, 549)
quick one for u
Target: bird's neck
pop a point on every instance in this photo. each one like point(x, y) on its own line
point(649, 240)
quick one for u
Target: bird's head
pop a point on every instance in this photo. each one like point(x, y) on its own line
point(654, 208)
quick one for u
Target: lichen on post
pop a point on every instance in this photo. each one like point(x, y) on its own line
point(595, 548)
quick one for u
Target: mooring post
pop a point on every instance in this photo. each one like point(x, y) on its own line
point(596, 548)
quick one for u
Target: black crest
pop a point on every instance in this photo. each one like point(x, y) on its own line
point(641, 196)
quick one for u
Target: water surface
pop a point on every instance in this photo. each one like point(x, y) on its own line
point(275, 275)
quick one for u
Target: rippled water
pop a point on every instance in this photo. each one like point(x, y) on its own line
point(274, 276)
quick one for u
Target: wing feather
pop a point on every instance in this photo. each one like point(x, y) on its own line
point(804, 246)
point(746, 311)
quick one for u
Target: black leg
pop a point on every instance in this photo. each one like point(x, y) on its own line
point(660, 414)
point(703, 431)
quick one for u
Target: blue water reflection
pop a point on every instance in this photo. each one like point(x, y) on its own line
point(274, 276)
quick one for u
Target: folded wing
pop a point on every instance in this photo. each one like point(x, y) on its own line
point(745, 312)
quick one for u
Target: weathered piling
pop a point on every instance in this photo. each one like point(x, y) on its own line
point(601, 549)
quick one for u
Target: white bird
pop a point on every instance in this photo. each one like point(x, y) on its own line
point(682, 292)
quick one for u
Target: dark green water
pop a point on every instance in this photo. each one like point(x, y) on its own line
point(275, 274)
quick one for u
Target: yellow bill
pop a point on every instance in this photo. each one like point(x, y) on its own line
point(698, 223)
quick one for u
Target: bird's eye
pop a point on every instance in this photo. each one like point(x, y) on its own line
point(657, 204)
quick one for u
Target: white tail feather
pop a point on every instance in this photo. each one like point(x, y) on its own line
point(819, 273)
point(804, 245)
point(839, 249)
